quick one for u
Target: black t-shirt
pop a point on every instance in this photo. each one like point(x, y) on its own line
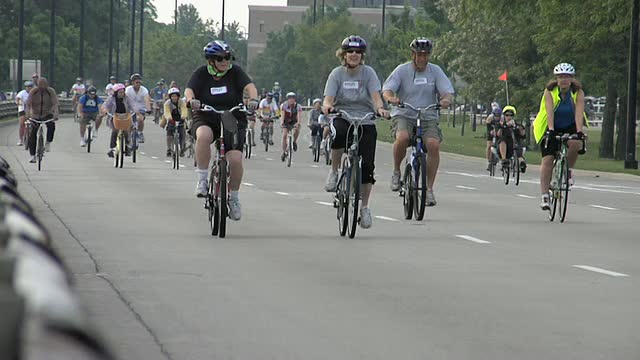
point(222, 94)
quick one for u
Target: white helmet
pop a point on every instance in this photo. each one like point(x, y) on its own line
point(276, 83)
point(291, 95)
point(564, 68)
point(317, 101)
point(173, 91)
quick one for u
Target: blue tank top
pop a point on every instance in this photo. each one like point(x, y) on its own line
point(564, 115)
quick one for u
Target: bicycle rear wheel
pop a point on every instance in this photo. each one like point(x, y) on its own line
point(40, 148)
point(224, 206)
point(421, 187)
point(176, 152)
point(553, 191)
point(290, 147)
point(407, 192)
point(564, 190)
point(265, 138)
point(506, 173)
point(516, 170)
point(89, 138)
point(134, 145)
point(212, 202)
point(354, 195)
point(342, 197)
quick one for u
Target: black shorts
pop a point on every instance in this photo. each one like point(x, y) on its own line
point(367, 148)
point(21, 113)
point(289, 124)
point(553, 145)
point(231, 141)
point(171, 127)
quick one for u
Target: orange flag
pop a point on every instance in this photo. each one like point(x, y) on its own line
point(503, 77)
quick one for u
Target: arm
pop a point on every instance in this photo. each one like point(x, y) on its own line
point(327, 104)
point(189, 94)
point(252, 91)
point(488, 120)
point(548, 106)
point(147, 102)
point(580, 110)
point(299, 116)
point(79, 108)
point(390, 97)
point(445, 100)
point(166, 116)
point(55, 109)
point(27, 106)
point(377, 101)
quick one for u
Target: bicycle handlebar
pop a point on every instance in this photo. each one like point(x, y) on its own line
point(430, 107)
point(351, 118)
point(240, 107)
point(41, 121)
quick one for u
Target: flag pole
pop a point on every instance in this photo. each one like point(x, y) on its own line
point(506, 82)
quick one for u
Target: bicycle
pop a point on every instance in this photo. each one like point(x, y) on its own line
point(217, 198)
point(559, 187)
point(288, 155)
point(189, 142)
point(315, 149)
point(327, 150)
point(248, 143)
point(42, 124)
point(89, 134)
point(177, 146)
point(267, 132)
point(347, 197)
point(135, 136)
point(494, 157)
point(414, 185)
point(157, 110)
point(122, 123)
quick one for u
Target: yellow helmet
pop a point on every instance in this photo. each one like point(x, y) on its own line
point(509, 108)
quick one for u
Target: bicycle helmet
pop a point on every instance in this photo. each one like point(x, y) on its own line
point(174, 91)
point(276, 83)
point(28, 83)
point(135, 77)
point(564, 68)
point(216, 48)
point(78, 79)
point(497, 112)
point(421, 45)
point(317, 101)
point(269, 95)
point(354, 42)
point(509, 108)
point(291, 95)
point(92, 90)
point(117, 87)
point(112, 78)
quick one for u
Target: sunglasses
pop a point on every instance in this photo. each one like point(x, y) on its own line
point(221, 58)
point(508, 114)
point(354, 51)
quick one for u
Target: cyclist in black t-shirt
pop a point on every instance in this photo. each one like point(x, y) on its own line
point(220, 84)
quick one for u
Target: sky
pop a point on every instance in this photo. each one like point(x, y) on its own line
point(235, 10)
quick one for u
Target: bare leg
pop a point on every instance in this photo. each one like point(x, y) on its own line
point(285, 133)
point(545, 173)
point(234, 158)
point(503, 150)
point(204, 137)
point(336, 157)
point(433, 161)
point(366, 194)
point(400, 149)
point(574, 146)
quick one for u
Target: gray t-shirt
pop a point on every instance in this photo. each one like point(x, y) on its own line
point(419, 89)
point(352, 91)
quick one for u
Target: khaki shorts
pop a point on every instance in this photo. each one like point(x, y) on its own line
point(430, 129)
point(84, 119)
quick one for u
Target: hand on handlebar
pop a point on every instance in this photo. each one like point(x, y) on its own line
point(384, 113)
point(328, 109)
point(394, 100)
point(195, 104)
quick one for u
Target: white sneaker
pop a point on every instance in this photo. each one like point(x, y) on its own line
point(202, 188)
point(571, 179)
point(544, 205)
point(47, 146)
point(431, 199)
point(332, 181)
point(94, 134)
point(83, 143)
point(235, 212)
point(32, 159)
point(20, 143)
point(365, 218)
point(323, 143)
point(395, 181)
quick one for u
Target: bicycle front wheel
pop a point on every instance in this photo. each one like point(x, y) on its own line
point(564, 190)
point(176, 153)
point(290, 146)
point(516, 170)
point(342, 199)
point(89, 138)
point(421, 187)
point(222, 188)
point(354, 195)
point(40, 148)
point(553, 190)
point(407, 192)
point(212, 202)
point(134, 145)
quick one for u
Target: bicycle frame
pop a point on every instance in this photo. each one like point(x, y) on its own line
point(42, 124)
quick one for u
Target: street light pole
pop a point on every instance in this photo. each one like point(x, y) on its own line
point(118, 47)
point(314, 11)
point(630, 158)
point(141, 45)
point(384, 10)
point(110, 72)
point(20, 46)
point(52, 44)
point(133, 36)
point(175, 17)
point(222, 30)
point(81, 55)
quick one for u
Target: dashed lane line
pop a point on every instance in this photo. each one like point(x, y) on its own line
point(466, 187)
point(386, 218)
point(600, 270)
point(282, 193)
point(602, 207)
point(475, 240)
point(324, 203)
point(526, 196)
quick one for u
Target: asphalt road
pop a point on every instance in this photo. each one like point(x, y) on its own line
point(486, 276)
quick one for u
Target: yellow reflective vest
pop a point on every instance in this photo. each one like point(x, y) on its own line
point(540, 123)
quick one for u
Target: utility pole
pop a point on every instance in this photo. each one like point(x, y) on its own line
point(384, 10)
point(141, 45)
point(630, 161)
point(52, 44)
point(20, 46)
point(222, 30)
point(81, 55)
point(110, 71)
point(314, 11)
point(175, 17)
point(118, 47)
point(132, 53)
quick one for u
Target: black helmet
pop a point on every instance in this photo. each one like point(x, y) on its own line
point(92, 90)
point(421, 45)
point(354, 42)
point(135, 77)
point(112, 78)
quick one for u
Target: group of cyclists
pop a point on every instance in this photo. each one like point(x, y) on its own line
point(352, 87)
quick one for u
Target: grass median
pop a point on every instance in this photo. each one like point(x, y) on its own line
point(474, 144)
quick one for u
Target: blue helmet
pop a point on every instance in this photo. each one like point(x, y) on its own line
point(216, 48)
point(497, 111)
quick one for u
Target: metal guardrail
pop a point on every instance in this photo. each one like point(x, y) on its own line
point(10, 109)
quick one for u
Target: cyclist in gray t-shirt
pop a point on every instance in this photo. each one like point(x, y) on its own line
point(354, 88)
point(420, 84)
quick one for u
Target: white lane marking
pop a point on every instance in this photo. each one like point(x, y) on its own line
point(181, 165)
point(602, 207)
point(154, 157)
point(526, 196)
point(464, 174)
point(270, 159)
point(475, 240)
point(466, 187)
point(143, 153)
point(606, 190)
point(614, 186)
point(324, 203)
point(385, 218)
point(247, 184)
point(282, 193)
point(168, 161)
point(314, 166)
point(601, 271)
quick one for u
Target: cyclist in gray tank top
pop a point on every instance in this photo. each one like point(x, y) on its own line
point(420, 84)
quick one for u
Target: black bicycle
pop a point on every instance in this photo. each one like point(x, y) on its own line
point(177, 147)
point(347, 197)
point(39, 125)
point(560, 178)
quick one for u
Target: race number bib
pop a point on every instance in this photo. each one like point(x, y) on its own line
point(350, 85)
point(218, 90)
point(420, 81)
